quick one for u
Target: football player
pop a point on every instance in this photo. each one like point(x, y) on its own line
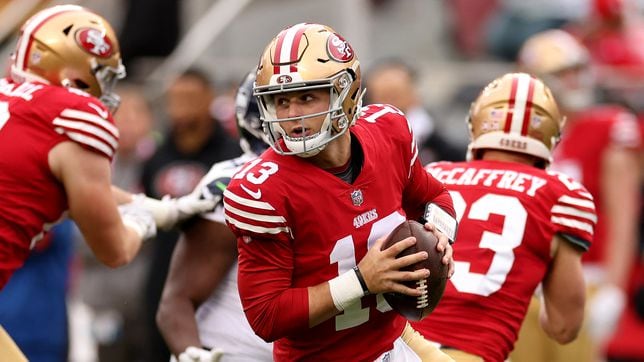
point(57, 138)
point(311, 213)
point(519, 225)
point(600, 149)
point(203, 271)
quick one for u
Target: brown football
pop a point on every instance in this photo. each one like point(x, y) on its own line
point(417, 308)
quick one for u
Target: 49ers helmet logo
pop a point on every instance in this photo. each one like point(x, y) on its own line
point(339, 49)
point(284, 78)
point(94, 41)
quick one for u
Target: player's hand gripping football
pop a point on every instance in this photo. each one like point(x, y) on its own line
point(443, 244)
point(381, 269)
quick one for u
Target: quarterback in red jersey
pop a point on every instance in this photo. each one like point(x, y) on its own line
point(519, 225)
point(311, 213)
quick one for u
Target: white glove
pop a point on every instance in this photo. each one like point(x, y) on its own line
point(195, 354)
point(138, 219)
point(168, 212)
point(605, 308)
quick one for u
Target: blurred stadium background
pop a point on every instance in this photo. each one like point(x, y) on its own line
point(456, 46)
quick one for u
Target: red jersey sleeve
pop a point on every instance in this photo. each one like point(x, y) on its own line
point(421, 187)
point(88, 123)
point(273, 307)
point(573, 213)
point(624, 131)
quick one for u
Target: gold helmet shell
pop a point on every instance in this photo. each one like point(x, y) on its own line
point(517, 113)
point(70, 46)
point(550, 52)
point(304, 57)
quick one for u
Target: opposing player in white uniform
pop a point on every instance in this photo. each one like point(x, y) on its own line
point(203, 272)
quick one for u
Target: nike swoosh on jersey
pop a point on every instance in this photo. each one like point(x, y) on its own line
point(254, 194)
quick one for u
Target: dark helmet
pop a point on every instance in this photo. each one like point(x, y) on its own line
point(249, 124)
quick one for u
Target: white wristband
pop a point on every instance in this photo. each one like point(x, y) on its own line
point(345, 289)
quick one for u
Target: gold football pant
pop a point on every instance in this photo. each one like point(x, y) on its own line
point(8, 349)
point(534, 345)
point(426, 350)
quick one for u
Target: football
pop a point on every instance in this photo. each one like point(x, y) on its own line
point(417, 308)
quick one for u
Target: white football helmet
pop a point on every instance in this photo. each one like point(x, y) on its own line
point(70, 46)
point(305, 57)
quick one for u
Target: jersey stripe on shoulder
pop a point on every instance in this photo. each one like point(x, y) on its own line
point(254, 219)
point(91, 142)
point(89, 129)
point(91, 118)
point(575, 213)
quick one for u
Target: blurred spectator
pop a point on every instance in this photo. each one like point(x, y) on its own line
point(392, 81)
point(151, 28)
point(223, 108)
point(33, 303)
point(516, 20)
point(468, 22)
point(614, 34)
point(137, 142)
point(115, 297)
point(599, 148)
point(194, 142)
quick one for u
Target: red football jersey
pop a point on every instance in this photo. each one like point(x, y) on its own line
point(508, 214)
point(580, 151)
point(299, 225)
point(35, 117)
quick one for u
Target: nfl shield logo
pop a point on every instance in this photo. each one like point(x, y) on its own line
point(356, 197)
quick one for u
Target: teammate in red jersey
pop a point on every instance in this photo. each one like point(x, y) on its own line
point(599, 148)
point(520, 225)
point(336, 181)
point(57, 138)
